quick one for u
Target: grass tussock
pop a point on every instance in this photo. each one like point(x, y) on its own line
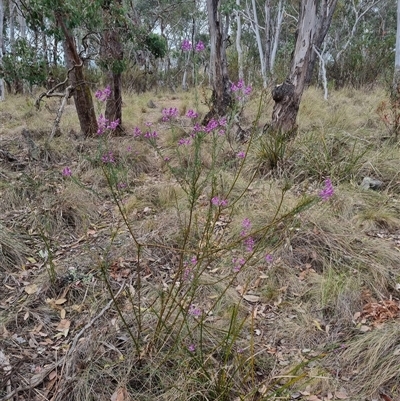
point(13, 249)
point(194, 267)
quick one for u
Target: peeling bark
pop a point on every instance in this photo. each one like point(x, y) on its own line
point(112, 56)
point(81, 90)
point(313, 24)
point(221, 96)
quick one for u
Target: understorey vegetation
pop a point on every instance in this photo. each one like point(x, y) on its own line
point(199, 200)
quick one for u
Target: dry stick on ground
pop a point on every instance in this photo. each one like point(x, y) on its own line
point(65, 95)
point(68, 91)
point(37, 379)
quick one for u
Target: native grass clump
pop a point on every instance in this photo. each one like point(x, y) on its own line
point(175, 262)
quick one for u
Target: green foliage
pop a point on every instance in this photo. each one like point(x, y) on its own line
point(157, 45)
point(24, 64)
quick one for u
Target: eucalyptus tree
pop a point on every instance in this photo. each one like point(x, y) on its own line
point(62, 19)
point(112, 56)
point(396, 79)
point(218, 23)
point(360, 43)
point(262, 21)
point(2, 94)
point(313, 23)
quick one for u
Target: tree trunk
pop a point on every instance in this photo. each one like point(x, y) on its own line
point(239, 40)
point(2, 94)
point(314, 20)
point(278, 28)
point(221, 95)
point(256, 29)
point(81, 90)
point(112, 58)
point(396, 78)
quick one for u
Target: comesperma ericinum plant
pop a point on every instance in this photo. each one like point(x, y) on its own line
point(182, 318)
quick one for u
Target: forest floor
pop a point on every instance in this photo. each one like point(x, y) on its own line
point(136, 268)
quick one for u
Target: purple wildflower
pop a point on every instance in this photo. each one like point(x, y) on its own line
point(184, 141)
point(222, 121)
point(108, 158)
point(212, 124)
point(121, 185)
point(269, 258)
point(247, 90)
point(249, 243)
point(169, 113)
point(197, 128)
point(188, 275)
point(199, 46)
point(196, 312)
point(241, 155)
point(243, 91)
point(246, 224)
point(103, 95)
point(150, 134)
point(216, 201)
point(137, 132)
point(102, 123)
point(191, 114)
point(223, 202)
point(186, 45)
point(328, 190)
point(66, 172)
point(113, 124)
point(237, 264)
point(191, 347)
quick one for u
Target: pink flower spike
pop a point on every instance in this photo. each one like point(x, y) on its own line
point(246, 224)
point(184, 141)
point(247, 90)
point(241, 155)
point(103, 95)
point(191, 114)
point(269, 258)
point(328, 190)
point(215, 201)
point(200, 46)
point(196, 312)
point(222, 121)
point(191, 348)
point(186, 45)
point(113, 125)
point(249, 243)
point(66, 172)
point(137, 132)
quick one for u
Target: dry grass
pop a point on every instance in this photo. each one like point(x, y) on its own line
point(293, 330)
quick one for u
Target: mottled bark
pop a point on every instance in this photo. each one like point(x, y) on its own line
point(2, 94)
point(221, 95)
point(239, 40)
point(81, 90)
point(314, 20)
point(112, 55)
